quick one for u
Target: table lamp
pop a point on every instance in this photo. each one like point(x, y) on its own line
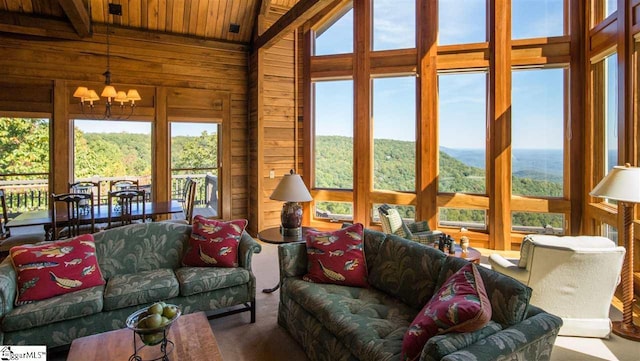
point(291, 190)
point(623, 184)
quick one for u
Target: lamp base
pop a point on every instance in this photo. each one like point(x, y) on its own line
point(628, 331)
point(290, 231)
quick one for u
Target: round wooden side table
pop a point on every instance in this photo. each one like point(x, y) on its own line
point(273, 236)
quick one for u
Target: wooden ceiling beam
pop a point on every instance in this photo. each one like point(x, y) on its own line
point(78, 15)
point(296, 16)
point(18, 23)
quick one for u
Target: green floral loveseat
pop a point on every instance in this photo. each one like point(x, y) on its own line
point(141, 264)
point(334, 322)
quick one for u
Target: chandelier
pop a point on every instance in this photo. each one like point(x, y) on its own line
point(89, 96)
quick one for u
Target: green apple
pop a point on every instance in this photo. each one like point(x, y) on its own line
point(170, 311)
point(152, 338)
point(155, 308)
point(165, 321)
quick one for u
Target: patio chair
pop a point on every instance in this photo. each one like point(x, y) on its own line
point(9, 239)
point(125, 206)
point(123, 184)
point(571, 277)
point(392, 223)
point(80, 215)
point(189, 198)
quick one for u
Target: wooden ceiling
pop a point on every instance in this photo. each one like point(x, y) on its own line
point(206, 19)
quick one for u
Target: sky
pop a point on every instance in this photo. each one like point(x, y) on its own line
point(536, 94)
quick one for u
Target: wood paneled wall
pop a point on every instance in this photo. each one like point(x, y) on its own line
point(273, 124)
point(179, 79)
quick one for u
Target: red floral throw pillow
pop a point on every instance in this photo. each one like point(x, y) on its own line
point(55, 268)
point(461, 305)
point(337, 257)
point(214, 243)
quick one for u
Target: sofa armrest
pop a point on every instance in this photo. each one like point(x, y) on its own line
point(7, 287)
point(441, 345)
point(247, 247)
point(531, 339)
point(502, 265)
point(292, 259)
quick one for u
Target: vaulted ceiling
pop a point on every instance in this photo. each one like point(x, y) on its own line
point(206, 19)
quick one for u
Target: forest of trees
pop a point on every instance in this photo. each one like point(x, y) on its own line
point(25, 148)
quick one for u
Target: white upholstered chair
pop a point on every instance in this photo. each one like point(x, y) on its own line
point(571, 277)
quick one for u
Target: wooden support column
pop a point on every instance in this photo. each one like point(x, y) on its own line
point(362, 138)
point(626, 124)
point(499, 137)
point(577, 93)
point(427, 113)
point(60, 142)
point(161, 176)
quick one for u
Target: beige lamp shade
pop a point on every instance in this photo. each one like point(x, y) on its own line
point(81, 92)
point(291, 189)
point(121, 97)
point(133, 94)
point(92, 95)
point(109, 92)
point(621, 184)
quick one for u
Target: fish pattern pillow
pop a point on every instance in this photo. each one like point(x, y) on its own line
point(337, 257)
point(214, 243)
point(55, 268)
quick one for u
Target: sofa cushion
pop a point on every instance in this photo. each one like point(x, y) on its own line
point(55, 268)
point(214, 243)
point(194, 280)
point(140, 288)
point(369, 322)
point(460, 305)
point(508, 297)
point(337, 257)
point(59, 308)
point(407, 270)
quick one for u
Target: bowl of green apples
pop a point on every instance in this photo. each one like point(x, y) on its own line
point(151, 323)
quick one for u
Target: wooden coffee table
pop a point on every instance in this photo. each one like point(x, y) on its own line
point(472, 254)
point(191, 335)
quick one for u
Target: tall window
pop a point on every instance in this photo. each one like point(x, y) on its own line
point(611, 112)
point(538, 132)
point(462, 126)
point(194, 154)
point(394, 134)
point(24, 164)
point(537, 18)
point(453, 13)
point(394, 24)
point(610, 6)
point(105, 150)
point(336, 37)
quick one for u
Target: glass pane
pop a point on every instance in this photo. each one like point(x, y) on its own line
point(534, 222)
point(336, 37)
point(107, 150)
point(406, 212)
point(471, 13)
point(610, 6)
point(537, 18)
point(394, 24)
point(394, 134)
point(611, 112)
point(462, 127)
point(24, 164)
point(538, 132)
point(461, 217)
point(610, 232)
point(335, 211)
point(194, 155)
point(334, 134)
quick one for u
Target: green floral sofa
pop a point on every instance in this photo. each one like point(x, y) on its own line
point(334, 322)
point(142, 264)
